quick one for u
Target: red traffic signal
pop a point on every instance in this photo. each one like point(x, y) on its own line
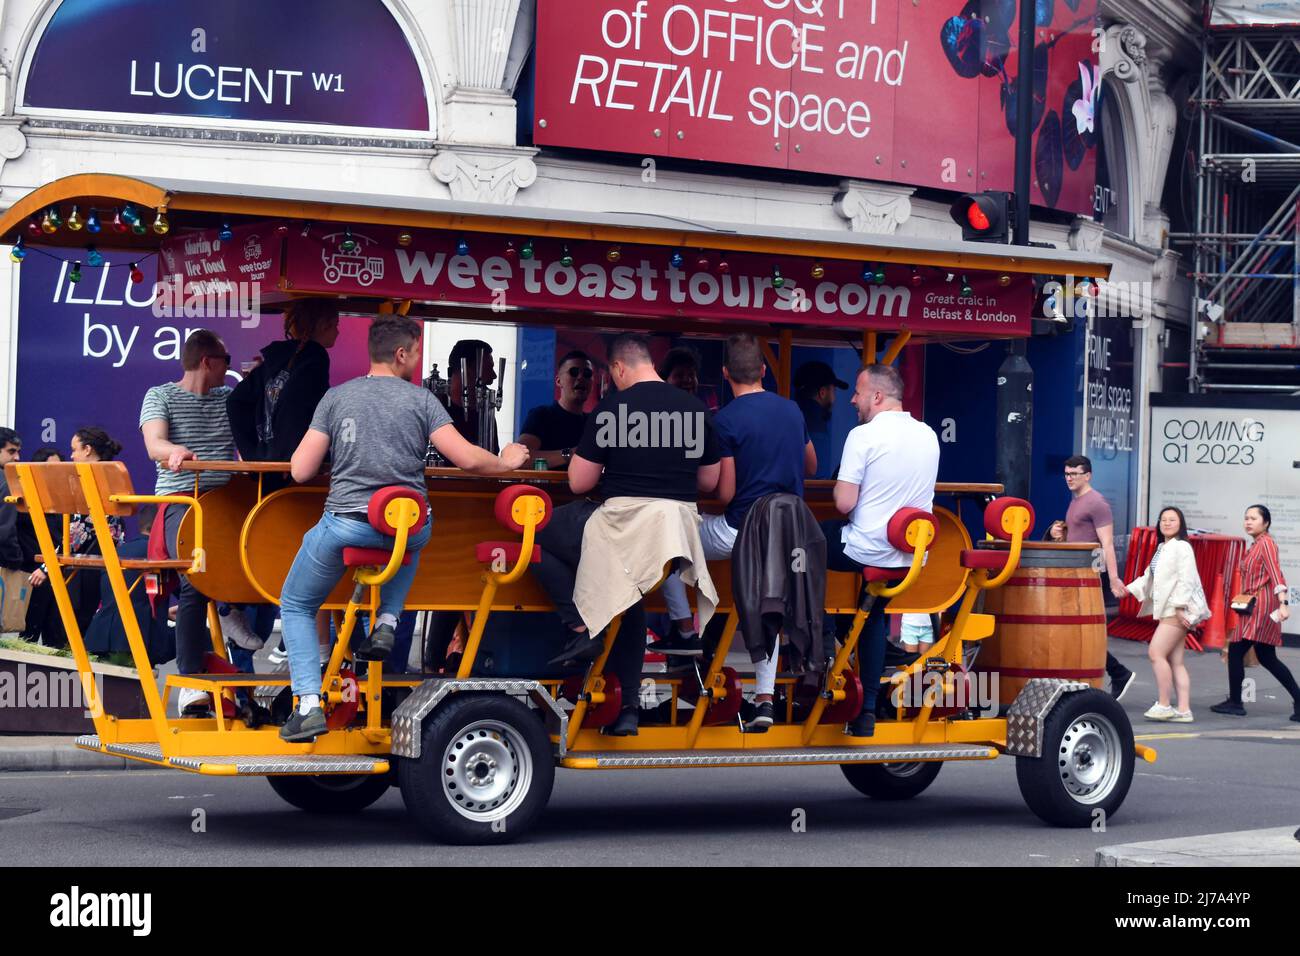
point(983, 217)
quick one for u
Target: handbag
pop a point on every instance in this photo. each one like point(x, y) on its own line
point(1244, 604)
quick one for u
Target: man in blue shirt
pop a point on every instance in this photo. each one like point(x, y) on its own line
point(815, 384)
point(765, 449)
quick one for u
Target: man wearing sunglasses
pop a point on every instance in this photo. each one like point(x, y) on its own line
point(186, 421)
point(553, 431)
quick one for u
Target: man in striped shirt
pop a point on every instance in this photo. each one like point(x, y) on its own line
point(186, 421)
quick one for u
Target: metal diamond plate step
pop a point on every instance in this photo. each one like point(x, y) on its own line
point(244, 765)
point(615, 760)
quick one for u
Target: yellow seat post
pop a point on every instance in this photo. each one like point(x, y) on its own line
point(713, 688)
point(530, 510)
point(594, 683)
point(833, 674)
point(402, 514)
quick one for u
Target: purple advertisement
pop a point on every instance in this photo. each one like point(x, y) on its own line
point(274, 61)
point(88, 352)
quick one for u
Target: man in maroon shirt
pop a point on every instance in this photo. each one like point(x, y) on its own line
point(1089, 519)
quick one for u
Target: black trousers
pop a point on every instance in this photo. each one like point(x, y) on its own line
point(1267, 655)
point(872, 640)
point(192, 638)
point(561, 544)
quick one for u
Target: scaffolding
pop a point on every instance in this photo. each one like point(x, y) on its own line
point(1246, 248)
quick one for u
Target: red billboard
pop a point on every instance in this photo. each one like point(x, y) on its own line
point(918, 93)
point(505, 273)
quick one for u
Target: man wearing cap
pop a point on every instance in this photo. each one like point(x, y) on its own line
point(814, 389)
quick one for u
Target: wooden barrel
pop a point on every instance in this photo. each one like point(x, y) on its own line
point(1051, 620)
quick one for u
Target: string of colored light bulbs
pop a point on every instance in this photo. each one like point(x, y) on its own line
point(126, 219)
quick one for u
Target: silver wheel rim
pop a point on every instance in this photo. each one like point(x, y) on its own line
point(486, 770)
point(1088, 758)
point(910, 769)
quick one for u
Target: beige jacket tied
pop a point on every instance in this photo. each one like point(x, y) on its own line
point(625, 546)
point(1175, 586)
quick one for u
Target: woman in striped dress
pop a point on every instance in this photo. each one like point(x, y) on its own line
point(1261, 575)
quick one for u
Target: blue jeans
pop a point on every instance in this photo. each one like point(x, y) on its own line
point(315, 572)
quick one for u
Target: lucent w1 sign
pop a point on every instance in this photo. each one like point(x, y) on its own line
point(920, 93)
point(340, 65)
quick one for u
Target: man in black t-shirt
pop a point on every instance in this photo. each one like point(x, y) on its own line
point(645, 440)
point(553, 431)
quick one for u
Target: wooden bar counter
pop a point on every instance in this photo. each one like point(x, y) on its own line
point(252, 535)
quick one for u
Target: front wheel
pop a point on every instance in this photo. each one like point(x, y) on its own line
point(332, 793)
point(891, 781)
point(484, 773)
point(1087, 761)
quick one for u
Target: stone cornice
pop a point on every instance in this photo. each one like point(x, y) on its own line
point(1171, 27)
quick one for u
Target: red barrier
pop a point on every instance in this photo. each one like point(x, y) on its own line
point(1218, 558)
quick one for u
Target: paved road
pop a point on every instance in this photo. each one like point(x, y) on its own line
point(1214, 776)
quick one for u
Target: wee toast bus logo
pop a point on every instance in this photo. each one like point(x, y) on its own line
point(344, 256)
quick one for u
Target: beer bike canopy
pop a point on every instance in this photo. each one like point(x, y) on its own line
point(513, 263)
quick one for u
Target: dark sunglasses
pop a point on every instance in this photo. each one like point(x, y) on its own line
point(221, 355)
point(583, 372)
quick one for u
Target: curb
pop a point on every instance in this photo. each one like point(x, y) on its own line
point(61, 757)
point(1276, 846)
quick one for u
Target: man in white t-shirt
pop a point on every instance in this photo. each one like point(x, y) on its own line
point(890, 461)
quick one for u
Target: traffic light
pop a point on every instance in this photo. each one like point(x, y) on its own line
point(983, 217)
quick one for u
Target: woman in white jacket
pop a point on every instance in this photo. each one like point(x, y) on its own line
point(1170, 591)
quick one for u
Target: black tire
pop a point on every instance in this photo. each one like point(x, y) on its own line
point(515, 769)
point(891, 781)
point(1087, 761)
point(332, 793)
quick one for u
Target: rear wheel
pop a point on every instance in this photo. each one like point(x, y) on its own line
point(484, 773)
point(332, 793)
point(1087, 761)
point(891, 781)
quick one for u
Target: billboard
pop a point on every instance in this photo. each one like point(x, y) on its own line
point(88, 352)
point(1214, 456)
point(238, 61)
point(896, 91)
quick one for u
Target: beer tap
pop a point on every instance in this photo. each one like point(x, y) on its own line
point(441, 389)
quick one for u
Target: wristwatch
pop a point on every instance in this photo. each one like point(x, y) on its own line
point(566, 454)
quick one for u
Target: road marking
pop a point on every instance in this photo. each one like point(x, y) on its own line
point(1163, 736)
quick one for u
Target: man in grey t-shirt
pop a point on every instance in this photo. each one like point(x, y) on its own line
point(186, 421)
point(377, 429)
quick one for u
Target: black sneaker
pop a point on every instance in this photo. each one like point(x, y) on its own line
point(762, 719)
point(197, 709)
point(581, 649)
point(377, 645)
point(303, 728)
point(677, 644)
point(1229, 709)
point(629, 718)
point(1119, 685)
point(863, 725)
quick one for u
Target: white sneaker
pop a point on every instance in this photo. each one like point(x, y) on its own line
point(190, 695)
point(1160, 712)
point(236, 629)
point(1182, 717)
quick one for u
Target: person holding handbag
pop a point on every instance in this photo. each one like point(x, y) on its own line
point(1265, 606)
point(1170, 591)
